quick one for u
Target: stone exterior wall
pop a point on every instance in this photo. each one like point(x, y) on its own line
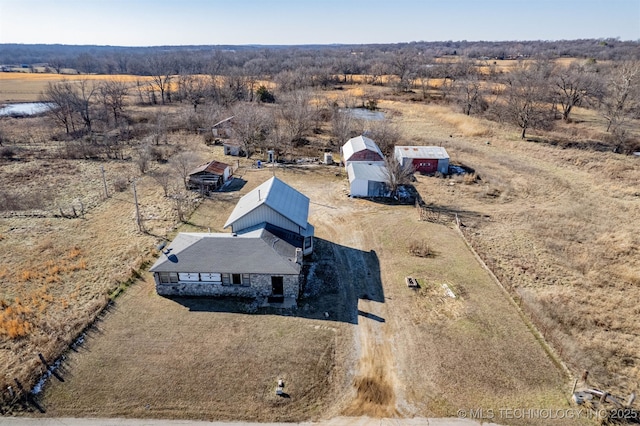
point(260, 287)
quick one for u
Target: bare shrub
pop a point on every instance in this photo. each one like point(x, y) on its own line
point(7, 152)
point(469, 178)
point(420, 249)
point(143, 156)
point(163, 178)
point(120, 184)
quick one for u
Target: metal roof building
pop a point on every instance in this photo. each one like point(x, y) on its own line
point(425, 159)
point(361, 148)
point(275, 203)
point(367, 179)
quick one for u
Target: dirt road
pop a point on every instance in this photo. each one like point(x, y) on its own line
point(361, 285)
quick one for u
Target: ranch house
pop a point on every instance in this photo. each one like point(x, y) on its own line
point(425, 159)
point(255, 264)
point(278, 208)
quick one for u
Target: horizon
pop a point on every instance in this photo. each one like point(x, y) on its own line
point(314, 44)
point(147, 23)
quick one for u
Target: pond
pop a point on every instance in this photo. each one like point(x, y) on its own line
point(365, 114)
point(25, 108)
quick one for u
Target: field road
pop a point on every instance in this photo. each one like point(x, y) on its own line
point(338, 421)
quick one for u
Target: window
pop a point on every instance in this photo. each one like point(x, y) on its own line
point(236, 279)
point(168, 277)
point(307, 242)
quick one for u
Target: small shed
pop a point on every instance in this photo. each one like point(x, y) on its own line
point(233, 147)
point(425, 159)
point(367, 179)
point(222, 129)
point(210, 176)
point(361, 148)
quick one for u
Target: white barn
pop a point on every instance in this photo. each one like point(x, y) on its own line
point(362, 149)
point(367, 179)
point(278, 208)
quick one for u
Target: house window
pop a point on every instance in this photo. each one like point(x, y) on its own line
point(168, 277)
point(307, 242)
point(236, 279)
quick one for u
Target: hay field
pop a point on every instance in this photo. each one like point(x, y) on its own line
point(28, 87)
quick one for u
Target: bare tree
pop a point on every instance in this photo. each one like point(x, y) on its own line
point(112, 95)
point(143, 157)
point(162, 68)
point(343, 126)
point(622, 94)
point(526, 98)
point(252, 123)
point(183, 162)
point(470, 95)
point(572, 85)
point(163, 178)
point(60, 95)
point(296, 115)
point(396, 175)
point(182, 203)
point(192, 88)
point(83, 102)
point(403, 67)
point(385, 134)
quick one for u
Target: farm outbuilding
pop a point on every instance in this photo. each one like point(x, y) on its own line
point(367, 179)
point(277, 207)
point(425, 159)
point(233, 147)
point(254, 264)
point(361, 148)
point(209, 176)
point(222, 129)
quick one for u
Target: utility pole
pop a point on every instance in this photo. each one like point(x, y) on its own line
point(104, 181)
point(135, 199)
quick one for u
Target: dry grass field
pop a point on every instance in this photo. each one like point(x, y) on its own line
point(556, 225)
point(28, 87)
point(385, 350)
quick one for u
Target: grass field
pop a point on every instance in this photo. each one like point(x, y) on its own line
point(556, 225)
point(386, 350)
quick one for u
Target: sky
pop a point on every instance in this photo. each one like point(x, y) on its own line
point(297, 22)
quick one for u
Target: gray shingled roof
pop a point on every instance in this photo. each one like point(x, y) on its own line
point(278, 196)
point(253, 252)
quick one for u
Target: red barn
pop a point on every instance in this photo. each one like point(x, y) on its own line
point(425, 159)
